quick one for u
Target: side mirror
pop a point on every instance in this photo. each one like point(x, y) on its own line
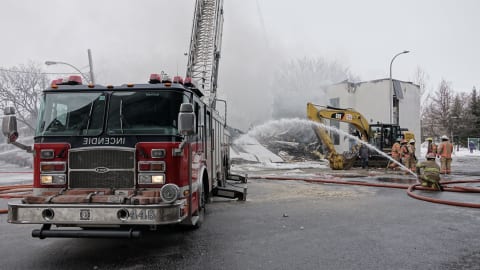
point(9, 125)
point(186, 119)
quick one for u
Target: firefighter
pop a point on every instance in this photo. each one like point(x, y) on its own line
point(396, 154)
point(429, 172)
point(432, 147)
point(445, 150)
point(363, 154)
point(411, 152)
point(403, 151)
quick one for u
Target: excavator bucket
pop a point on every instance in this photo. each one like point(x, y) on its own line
point(349, 159)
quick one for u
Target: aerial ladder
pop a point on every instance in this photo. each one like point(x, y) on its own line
point(205, 47)
point(202, 67)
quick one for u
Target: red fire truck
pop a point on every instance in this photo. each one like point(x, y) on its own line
point(110, 161)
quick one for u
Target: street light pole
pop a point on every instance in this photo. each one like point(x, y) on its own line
point(391, 86)
point(90, 64)
point(49, 63)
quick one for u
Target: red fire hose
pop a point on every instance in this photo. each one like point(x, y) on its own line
point(14, 191)
point(455, 189)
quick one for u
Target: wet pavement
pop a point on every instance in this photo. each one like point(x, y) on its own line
point(285, 225)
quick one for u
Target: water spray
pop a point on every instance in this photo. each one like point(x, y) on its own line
point(271, 128)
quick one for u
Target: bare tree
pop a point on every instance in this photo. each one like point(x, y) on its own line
point(20, 87)
point(421, 78)
point(438, 114)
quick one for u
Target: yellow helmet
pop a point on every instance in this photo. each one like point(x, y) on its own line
point(429, 139)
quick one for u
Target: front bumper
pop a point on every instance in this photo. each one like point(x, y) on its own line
point(97, 214)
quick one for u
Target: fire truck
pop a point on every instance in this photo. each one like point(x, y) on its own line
point(111, 161)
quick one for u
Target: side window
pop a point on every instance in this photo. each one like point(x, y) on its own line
point(209, 117)
point(199, 117)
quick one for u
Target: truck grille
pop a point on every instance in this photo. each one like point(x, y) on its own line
point(105, 167)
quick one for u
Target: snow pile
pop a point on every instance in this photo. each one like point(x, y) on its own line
point(248, 149)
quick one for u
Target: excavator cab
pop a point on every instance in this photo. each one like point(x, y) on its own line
point(383, 136)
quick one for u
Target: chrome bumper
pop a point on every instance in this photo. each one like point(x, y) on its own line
point(97, 214)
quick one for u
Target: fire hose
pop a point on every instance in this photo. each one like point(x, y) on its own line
point(410, 188)
point(14, 191)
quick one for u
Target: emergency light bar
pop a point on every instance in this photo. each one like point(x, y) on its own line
point(72, 80)
point(155, 78)
point(178, 79)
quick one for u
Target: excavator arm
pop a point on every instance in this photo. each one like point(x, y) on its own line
point(337, 161)
point(348, 116)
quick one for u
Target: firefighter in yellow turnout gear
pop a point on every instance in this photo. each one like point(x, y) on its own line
point(429, 172)
point(396, 154)
point(445, 150)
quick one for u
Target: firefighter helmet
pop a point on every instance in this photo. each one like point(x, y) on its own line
point(429, 139)
point(411, 141)
point(444, 137)
point(404, 141)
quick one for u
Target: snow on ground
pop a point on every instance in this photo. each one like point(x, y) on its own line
point(461, 152)
point(13, 174)
point(248, 155)
point(248, 149)
point(292, 166)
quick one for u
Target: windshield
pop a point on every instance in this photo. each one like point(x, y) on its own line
point(83, 113)
point(145, 112)
point(71, 114)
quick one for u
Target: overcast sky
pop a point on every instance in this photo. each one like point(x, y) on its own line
point(131, 39)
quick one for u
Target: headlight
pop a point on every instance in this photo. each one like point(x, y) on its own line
point(151, 178)
point(169, 193)
point(53, 179)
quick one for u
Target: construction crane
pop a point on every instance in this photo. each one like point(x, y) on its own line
point(205, 46)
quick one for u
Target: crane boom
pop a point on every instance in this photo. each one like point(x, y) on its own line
point(205, 46)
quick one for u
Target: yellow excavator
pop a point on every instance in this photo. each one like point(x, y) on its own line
point(382, 136)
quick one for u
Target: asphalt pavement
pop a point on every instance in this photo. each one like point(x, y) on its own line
point(282, 225)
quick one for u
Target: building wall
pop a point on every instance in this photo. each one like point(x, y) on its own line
point(372, 100)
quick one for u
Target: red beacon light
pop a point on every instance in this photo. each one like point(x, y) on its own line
point(155, 78)
point(178, 79)
point(193, 85)
point(56, 82)
point(189, 82)
point(74, 80)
